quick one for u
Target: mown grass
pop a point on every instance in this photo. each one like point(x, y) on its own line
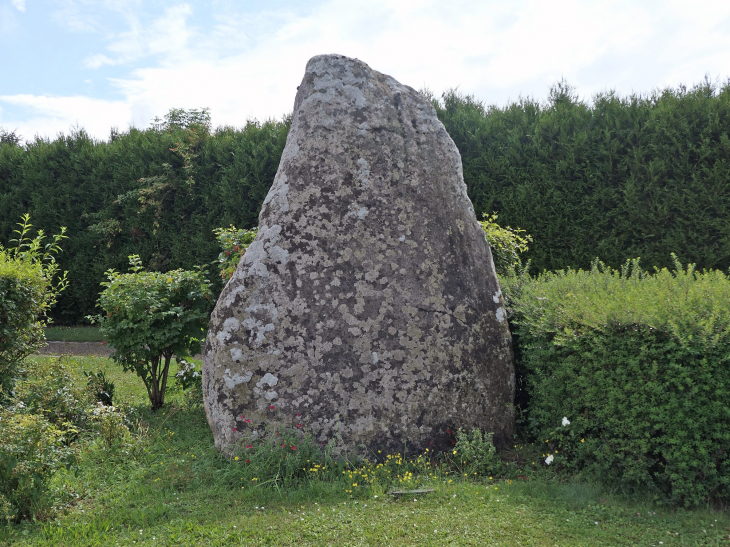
point(171, 487)
point(73, 334)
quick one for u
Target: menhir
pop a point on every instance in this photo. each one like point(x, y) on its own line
point(367, 311)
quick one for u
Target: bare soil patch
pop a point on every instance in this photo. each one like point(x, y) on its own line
point(96, 349)
point(75, 348)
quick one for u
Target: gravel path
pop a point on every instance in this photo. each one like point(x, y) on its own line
point(96, 349)
point(75, 348)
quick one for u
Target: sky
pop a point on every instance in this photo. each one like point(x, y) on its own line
point(99, 65)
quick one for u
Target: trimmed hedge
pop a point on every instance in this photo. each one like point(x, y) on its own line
point(643, 175)
point(639, 364)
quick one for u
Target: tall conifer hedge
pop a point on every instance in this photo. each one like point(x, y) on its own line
point(622, 177)
point(140, 193)
point(644, 175)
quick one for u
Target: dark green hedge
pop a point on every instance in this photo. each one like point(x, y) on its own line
point(94, 188)
point(639, 365)
point(624, 176)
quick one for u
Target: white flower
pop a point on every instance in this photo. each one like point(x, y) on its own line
point(549, 459)
point(566, 421)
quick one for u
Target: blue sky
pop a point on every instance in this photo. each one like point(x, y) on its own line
point(116, 63)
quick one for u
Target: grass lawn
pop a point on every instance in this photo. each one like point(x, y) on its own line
point(73, 334)
point(173, 488)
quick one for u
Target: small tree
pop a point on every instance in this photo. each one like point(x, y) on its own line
point(149, 317)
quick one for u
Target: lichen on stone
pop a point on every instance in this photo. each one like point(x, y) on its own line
point(367, 308)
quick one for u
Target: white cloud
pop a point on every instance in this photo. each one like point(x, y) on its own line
point(77, 15)
point(249, 64)
point(97, 61)
point(167, 37)
point(19, 4)
point(52, 115)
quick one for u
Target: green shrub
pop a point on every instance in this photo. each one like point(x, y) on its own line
point(151, 317)
point(233, 243)
point(475, 454)
point(48, 387)
point(27, 291)
point(507, 244)
point(31, 450)
point(191, 383)
point(39, 426)
point(639, 364)
point(101, 388)
point(21, 289)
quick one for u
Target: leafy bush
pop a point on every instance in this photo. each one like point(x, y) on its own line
point(31, 450)
point(27, 291)
point(49, 387)
point(639, 364)
point(506, 243)
point(43, 428)
point(233, 243)
point(151, 317)
point(101, 388)
point(191, 383)
point(475, 454)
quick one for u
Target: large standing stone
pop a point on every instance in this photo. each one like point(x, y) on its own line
point(367, 308)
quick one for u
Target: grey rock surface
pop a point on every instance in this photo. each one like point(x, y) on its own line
point(367, 309)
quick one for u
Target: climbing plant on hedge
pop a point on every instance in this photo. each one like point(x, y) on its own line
point(149, 317)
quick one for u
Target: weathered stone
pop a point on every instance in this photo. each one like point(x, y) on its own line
point(367, 308)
